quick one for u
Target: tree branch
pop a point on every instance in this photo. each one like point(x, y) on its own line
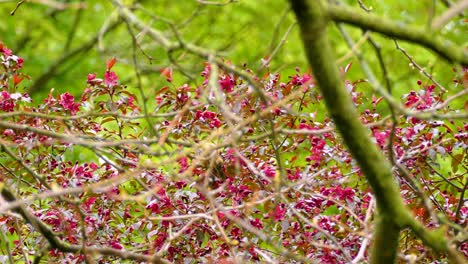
point(56, 243)
point(443, 48)
point(386, 236)
point(455, 10)
point(393, 215)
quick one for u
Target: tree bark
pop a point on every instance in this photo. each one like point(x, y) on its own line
point(393, 215)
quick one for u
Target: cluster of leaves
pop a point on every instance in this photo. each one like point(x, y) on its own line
point(215, 172)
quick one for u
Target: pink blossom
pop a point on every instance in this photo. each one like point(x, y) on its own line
point(294, 175)
point(67, 101)
point(300, 80)
point(93, 166)
point(110, 78)
point(5, 95)
point(381, 137)
point(19, 62)
point(90, 201)
point(278, 213)
point(209, 115)
point(257, 223)
point(6, 51)
point(115, 244)
point(411, 98)
point(227, 83)
point(215, 123)
point(154, 207)
point(91, 77)
point(269, 171)
point(7, 104)
point(183, 162)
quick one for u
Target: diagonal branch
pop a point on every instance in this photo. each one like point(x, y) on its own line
point(444, 48)
point(393, 215)
point(56, 243)
point(453, 11)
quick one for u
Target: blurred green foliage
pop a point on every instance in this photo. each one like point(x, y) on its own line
point(245, 31)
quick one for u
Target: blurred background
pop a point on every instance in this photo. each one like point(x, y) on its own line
point(62, 41)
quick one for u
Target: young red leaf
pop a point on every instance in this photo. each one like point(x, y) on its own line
point(167, 72)
point(17, 79)
point(110, 63)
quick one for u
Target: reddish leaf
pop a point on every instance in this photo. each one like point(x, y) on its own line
point(110, 63)
point(17, 79)
point(167, 72)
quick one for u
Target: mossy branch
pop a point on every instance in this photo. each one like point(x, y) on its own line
point(386, 237)
point(444, 48)
point(393, 215)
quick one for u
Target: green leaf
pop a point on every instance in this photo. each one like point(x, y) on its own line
point(332, 210)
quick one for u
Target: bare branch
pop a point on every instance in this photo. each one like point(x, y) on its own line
point(453, 11)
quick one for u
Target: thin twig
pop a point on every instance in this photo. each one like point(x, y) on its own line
point(12, 13)
point(420, 69)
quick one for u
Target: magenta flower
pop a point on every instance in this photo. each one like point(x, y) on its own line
point(227, 83)
point(110, 78)
point(67, 101)
point(278, 213)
